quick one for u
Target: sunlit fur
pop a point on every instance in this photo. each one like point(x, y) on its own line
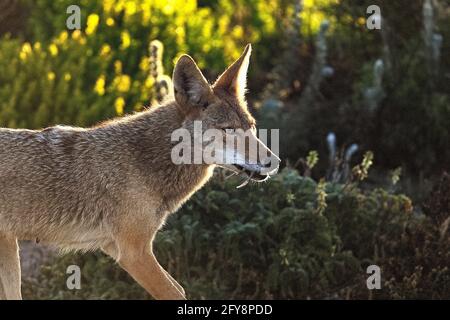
point(112, 186)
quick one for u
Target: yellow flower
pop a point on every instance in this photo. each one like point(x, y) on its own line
point(168, 9)
point(105, 50)
point(122, 83)
point(130, 8)
point(119, 6)
point(25, 51)
point(51, 76)
point(361, 21)
point(118, 105)
point(26, 47)
point(144, 64)
point(92, 23)
point(53, 49)
point(180, 32)
point(76, 35)
point(37, 46)
point(146, 12)
point(110, 22)
point(149, 82)
point(118, 66)
point(237, 32)
point(126, 40)
point(63, 36)
point(108, 5)
point(67, 76)
point(100, 85)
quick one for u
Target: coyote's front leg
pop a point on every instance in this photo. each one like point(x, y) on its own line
point(135, 255)
point(146, 270)
point(9, 268)
point(112, 251)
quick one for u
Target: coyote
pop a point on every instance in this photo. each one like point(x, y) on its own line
point(112, 186)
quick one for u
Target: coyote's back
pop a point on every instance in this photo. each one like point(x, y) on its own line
point(55, 184)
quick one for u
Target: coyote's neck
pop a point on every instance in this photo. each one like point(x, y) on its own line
point(148, 139)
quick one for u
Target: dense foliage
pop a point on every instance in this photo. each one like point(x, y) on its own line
point(280, 240)
point(383, 89)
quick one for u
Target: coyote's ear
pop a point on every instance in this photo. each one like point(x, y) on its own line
point(234, 79)
point(190, 86)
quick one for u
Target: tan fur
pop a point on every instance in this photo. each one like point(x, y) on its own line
point(110, 186)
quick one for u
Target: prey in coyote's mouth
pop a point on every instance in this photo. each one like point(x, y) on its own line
point(248, 175)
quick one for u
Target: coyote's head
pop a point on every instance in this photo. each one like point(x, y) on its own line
point(227, 129)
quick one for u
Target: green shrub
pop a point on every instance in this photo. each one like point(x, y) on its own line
point(271, 241)
point(404, 119)
point(42, 86)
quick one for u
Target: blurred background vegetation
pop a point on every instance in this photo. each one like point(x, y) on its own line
point(334, 88)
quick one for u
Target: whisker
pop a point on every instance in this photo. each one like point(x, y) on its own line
point(243, 184)
point(230, 175)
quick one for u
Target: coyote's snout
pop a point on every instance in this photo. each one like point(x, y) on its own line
point(111, 187)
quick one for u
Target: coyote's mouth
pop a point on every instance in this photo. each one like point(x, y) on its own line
point(253, 175)
point(250, 172)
